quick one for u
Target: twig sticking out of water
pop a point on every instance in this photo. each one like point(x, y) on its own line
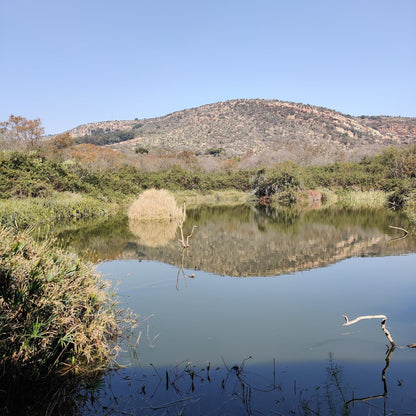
point(383, 324)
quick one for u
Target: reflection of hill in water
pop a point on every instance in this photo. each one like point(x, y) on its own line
point(240, 242)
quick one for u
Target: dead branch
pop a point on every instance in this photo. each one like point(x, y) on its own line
point(383, 324)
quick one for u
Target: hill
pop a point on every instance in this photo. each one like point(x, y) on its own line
point(255, 130)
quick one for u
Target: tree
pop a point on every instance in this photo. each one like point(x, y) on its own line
point(18, 133)
point(62, 141)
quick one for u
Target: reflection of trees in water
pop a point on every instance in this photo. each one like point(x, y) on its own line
point(266, 245)
point(243, 242)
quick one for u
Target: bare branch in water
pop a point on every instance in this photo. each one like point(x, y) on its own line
point(383, 324)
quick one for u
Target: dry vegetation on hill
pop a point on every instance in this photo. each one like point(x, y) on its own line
point(255, 132)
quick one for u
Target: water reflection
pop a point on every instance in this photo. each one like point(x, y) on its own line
point(243, 242)
point(196, 334)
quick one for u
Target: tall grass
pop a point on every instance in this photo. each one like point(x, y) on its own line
point(57, 315)
point(351, 199)
point(227, 198)
point(155, 204)
point(22, 213)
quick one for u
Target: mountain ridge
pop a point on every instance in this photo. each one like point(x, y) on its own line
point(250, 128)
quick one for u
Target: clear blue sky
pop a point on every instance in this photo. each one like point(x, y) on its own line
point(79, 61)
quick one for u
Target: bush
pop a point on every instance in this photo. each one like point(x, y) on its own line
point(284, 180)
point(141, 150)
point(214, 151)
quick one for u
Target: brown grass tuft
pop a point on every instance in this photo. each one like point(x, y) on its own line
point(155, 204)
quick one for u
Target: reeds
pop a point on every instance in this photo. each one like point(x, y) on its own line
point(362, 199)
point(155, 204)
point(56, 314)
point(22, 213)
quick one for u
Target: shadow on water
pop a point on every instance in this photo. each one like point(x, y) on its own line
point(48, 396)
point(186, 389)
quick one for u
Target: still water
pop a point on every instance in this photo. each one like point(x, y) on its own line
point(249, 319)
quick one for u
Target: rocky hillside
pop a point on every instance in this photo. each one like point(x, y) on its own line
point(256, 129)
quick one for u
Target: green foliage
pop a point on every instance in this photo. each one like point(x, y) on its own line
point(33, 175)
point(282, 181)
point(29, 212)
point(141, 150)
point(37, 174)
point(215, 151)
point(99, 137)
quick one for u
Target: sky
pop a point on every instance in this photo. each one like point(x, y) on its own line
point(80, 61)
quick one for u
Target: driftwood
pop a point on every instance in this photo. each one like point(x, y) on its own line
point(383, 324)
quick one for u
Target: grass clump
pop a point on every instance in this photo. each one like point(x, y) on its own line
point(358, 199)
point(56, 314)
point(22, 213)
point(155, 204)
point(227, 198)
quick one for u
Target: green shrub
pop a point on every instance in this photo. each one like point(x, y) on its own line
point(141, 150)
point(282, 181)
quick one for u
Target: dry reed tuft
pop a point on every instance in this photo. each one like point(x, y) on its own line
point(155, 204)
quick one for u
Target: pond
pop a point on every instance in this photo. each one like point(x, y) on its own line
point(249, 319)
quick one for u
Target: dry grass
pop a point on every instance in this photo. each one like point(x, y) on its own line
point(362, 199)
point(155, 204)
point(228, 198)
